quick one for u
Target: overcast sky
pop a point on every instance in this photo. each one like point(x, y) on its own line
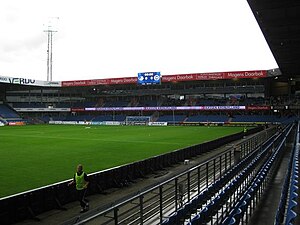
point(119, 38)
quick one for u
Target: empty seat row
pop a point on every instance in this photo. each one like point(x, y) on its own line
point(285, 189)
point(206, 214)
point(229, 182)
point(241, 207)
point(291, 213)
point(7, 112)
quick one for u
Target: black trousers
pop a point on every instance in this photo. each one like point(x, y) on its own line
point(81, 197)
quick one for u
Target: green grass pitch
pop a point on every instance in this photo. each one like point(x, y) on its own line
point(38, 155)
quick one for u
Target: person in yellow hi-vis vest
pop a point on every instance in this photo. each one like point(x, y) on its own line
point(81, 181)
point(245, 132)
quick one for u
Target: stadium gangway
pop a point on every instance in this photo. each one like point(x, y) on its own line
point(208, 206)
point(246, 204)
point(286, 213)
point(153, 204)
point(161, 201)
point(219, 186)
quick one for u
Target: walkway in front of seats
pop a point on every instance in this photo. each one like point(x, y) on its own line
point(265, 213)
point(115, 194)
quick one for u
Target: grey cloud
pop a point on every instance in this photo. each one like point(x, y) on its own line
point(29, 43)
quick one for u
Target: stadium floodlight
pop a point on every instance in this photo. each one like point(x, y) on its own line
point(50, 29)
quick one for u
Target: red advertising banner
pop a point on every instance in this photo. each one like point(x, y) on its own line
point(124, 80)
point(77, 109)
point(171, 78)
point(256, 107)
point(215, 76)
point(20, 123)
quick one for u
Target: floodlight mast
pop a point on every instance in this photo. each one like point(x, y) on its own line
point(50, 30)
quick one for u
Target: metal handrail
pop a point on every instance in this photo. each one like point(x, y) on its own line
point(217, 157)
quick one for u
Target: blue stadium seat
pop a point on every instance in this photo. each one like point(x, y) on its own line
point(232, 221)
point(195, 220)
point(238, 215)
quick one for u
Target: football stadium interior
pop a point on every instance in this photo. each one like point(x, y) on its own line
point(224, 97)
point(202, 148)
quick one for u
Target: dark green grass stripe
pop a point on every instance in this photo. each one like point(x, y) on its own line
point(34, 156)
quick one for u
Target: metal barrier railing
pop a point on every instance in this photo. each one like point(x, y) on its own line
point(223, 192)
point(286, 213)
point(153, 205)
point(246, 203)
point(159, 202)
point(281, 211)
